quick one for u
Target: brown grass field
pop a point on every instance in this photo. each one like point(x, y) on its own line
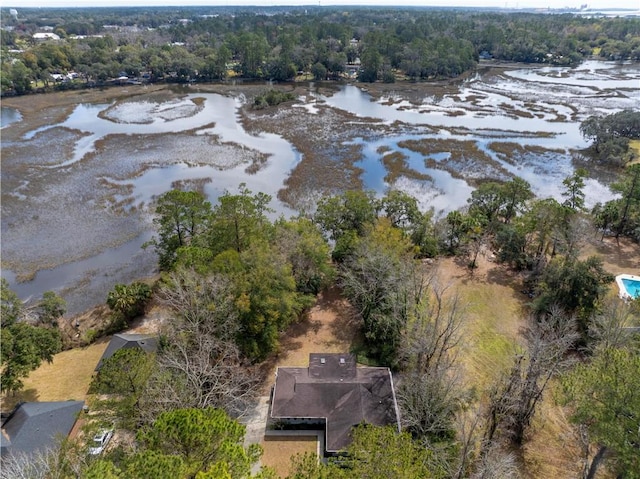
point(279, 450)
point(67, 377)
point(634, 145)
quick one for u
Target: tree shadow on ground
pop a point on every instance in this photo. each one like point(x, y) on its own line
point(488, 271)
point(619, 257)
point(10, 401)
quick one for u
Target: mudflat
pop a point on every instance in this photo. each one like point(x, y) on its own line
point(81, 170)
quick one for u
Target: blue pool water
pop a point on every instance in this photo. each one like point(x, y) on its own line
point(632, 286)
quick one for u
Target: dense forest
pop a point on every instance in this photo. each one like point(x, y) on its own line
point(85, 47)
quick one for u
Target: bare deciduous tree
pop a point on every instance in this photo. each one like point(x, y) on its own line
point(433, 330)
point(64, 459)
point(608, 327)
point(26, 466)
point(379, 279)
point(201, 302)
point(201, 365)
point(513, 401)
point(497, 464)
point(429, 403)
point(429, 391)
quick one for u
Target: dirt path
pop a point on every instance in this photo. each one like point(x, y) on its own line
point(328, 327)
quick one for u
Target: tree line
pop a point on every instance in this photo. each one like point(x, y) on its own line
point(611, 138)
point(99, 45)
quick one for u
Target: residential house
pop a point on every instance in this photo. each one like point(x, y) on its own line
point(43, 36)
point(37, 426)
point(335, 395)
point(145, 342)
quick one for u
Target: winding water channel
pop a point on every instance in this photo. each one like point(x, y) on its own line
point(77, 194)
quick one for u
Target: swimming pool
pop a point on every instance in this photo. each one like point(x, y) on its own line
point(629, 286)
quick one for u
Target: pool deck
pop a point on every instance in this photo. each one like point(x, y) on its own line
point(624, 294)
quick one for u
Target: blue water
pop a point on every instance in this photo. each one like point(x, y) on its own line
point(8, 116)
point(632, 286)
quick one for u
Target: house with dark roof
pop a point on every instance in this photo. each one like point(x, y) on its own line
point(34, 426)
point(335, 395)
point(146, 342)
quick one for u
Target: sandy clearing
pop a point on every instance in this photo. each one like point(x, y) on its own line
point(329, 327)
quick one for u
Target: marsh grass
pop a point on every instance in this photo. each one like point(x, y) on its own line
point(511, 152)
point(515, 112)
point(458, 150)
point(396, 165)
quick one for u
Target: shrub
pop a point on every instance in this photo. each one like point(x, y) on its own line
point(272, 98)
point(129, 301)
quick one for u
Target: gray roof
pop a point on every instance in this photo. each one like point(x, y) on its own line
point(334, 389)
point(36, 425)
point(146, 342)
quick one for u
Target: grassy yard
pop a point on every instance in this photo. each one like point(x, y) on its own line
point(278, 451)
point(494, 316)
point(496, 313)
point(67, 377)
point(634, 146)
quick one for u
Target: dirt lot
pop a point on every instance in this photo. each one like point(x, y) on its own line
point(329, 327)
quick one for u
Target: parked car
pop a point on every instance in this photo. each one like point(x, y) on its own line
point(100, 441)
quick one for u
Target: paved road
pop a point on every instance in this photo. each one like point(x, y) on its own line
point(256, 423)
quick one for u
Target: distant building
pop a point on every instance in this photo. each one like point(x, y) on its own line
point(43, 36)
point(145, 342)
point(335, 395)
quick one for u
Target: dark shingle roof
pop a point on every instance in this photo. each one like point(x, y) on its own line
point(36, 425)
point(146, 342)
point(332, 387)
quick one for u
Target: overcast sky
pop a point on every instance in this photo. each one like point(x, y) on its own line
point(633, 4)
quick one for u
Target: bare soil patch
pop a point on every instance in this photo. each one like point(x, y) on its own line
point(329, 327)
point(622, 256)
